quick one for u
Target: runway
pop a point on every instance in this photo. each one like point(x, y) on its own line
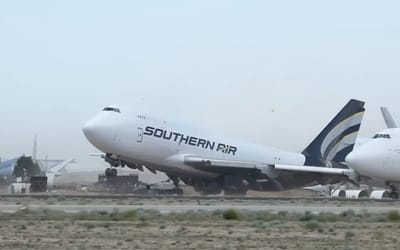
point(97, 196)
point(179, 206)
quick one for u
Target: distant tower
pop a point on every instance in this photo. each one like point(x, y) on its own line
point(34, 151)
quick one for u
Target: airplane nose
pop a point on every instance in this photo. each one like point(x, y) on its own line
point(365, 160)
point(359, 160)
point(353, 159)
point(99, 133)
point(103, 131)
point(90, 130)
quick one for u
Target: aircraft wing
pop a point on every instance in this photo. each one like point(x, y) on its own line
point(227, 166)
point(351, 175)
point(57, 169)
point(270, 170)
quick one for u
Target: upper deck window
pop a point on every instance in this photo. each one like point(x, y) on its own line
point(112, 109)
point(385, 136)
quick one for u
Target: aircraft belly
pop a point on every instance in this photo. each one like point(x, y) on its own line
point(296, 180)
point(175, 164)
point(172, 167)
point(186, 171)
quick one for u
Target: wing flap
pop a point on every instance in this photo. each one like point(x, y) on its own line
point(220, 165)
point(199, 161)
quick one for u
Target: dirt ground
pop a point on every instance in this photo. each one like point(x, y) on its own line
point(183, 232)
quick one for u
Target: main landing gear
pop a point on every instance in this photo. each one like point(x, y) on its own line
point(175, 180)
point(394, 193)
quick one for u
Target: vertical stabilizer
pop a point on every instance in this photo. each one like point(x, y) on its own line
point(390, 123)
point(338, 137)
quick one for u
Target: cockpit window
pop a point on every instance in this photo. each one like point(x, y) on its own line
point(112, 109)
point(385, 136)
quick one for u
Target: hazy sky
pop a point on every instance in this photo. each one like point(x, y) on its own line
point(271, 72)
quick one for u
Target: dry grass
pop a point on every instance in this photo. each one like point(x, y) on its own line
point(195, 230)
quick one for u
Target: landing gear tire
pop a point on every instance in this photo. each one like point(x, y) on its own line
point(177, 189)
point(394, 190)
point(108, 172)
point(394, 195)
point(111, 172)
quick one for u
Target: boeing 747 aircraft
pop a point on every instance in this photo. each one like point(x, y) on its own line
point(377, 161)
point(212, 163)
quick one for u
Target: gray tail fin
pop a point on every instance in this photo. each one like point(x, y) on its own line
point(390, 123)
point(337, 139)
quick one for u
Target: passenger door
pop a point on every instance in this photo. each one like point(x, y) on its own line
point(139, 135)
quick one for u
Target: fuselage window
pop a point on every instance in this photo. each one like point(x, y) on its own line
point(112, 109)
point(385, 136)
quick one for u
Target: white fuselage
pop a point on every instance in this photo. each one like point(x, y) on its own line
point(378, 159)
point(162, 145)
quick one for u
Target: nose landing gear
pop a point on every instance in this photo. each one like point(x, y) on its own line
point(114, 163)
point(111, 172)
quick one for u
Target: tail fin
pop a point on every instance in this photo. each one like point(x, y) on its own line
point(338, 138)
point(390, 123)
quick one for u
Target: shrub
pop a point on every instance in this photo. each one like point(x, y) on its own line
point(326, 217)
point(393, 215)
point(130, 215)
point(307, 216)
point(263, 215)
point(312, 225)
point(348, 213)
point(230, 214)
point(123, 216)
point(349, 234)
point(283, 214)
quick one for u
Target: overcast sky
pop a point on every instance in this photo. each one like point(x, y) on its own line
point(270, 72)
